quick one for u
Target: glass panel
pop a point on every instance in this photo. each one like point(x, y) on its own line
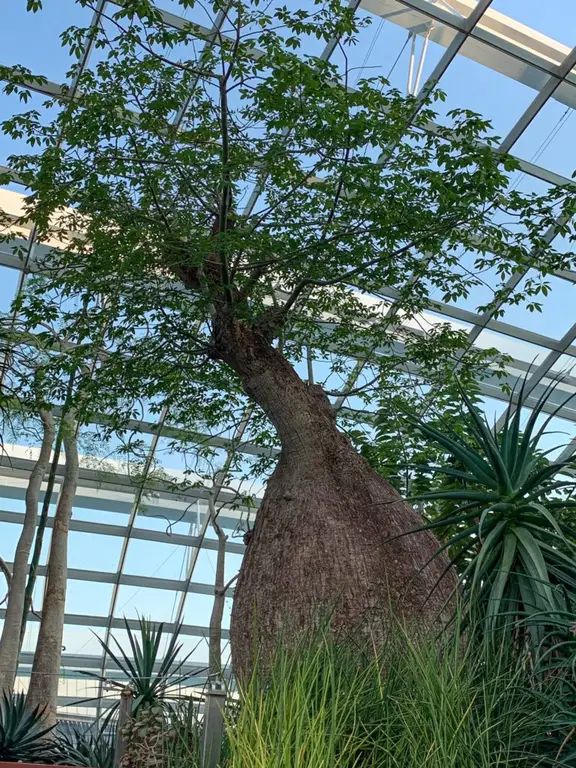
point(33, 39)
point(554, 25)
point(152, 558)
point(144, 601)
point(9, 540)
point(556, 316)
point(9, 279)
point(519, 350)
point(82, 640)
point(197, 609)
point(493, 409)
point(94, 552)
point(100, 516)
point(491, 88)
point(80, 594)
point(565, 364)
point(38, 595)
point(559, 434)
point(548, 140)
point(31, 636)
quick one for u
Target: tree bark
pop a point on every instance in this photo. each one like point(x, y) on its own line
point(325, 544)
point(43, 690)
point(10, 641)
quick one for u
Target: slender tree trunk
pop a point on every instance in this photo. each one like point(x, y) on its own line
point(37, 553)
point(215, 628)
point(43, 689)
point(44, 516)
point(327, 544)
point(10, 641)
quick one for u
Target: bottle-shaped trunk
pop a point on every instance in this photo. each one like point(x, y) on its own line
point(328, 543)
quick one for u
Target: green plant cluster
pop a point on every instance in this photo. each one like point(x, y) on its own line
point(22, 731)
point(503, 509)
point(411, 703)
point(449, 702)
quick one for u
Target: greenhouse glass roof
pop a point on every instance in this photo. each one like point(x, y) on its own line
point(135, 551)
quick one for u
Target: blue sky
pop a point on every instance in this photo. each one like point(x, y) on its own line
point(32, 40)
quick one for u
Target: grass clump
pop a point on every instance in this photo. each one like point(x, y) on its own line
point(409, 704)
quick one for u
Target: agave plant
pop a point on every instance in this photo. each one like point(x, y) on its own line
point(502, 514)
point(89, 748)
point(22, 731)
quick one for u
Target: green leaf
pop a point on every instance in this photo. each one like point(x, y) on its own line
point(490, 549)
point(531, 556)
point(489, 445)
point(502, 578)
point(470, 458)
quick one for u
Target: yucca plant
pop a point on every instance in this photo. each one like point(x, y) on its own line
point(502, 513)
point(154, 680)
point(23, 731)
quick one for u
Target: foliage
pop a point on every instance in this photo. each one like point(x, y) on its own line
point(92, 748)
point(500, 518)
point(146, 178)
point(183, 745)
point(22, 731)
point(155, 680)
point(402, 454)
point(406, 705)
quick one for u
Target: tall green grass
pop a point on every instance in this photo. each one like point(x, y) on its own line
point(410, 704)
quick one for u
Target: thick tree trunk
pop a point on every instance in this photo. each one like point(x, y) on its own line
point(43, 689)
point(10, 641)
point(324, 546)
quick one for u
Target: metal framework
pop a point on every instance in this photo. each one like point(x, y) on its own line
point(462, 28)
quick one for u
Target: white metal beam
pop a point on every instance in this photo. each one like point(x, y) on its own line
point(135, 580)
point(142, 534)
point(85, 620)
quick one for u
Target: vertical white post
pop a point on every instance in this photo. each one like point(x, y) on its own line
point(421, 62)
point(411, 63)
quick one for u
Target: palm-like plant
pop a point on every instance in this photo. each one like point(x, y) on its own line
point(22, 731)
point(501, 516)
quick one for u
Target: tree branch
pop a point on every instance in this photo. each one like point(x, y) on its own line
point(344, 277)
point(6, 571)
point(354, 390)
point(226, 198)
point(176, 64)
point(227, 586)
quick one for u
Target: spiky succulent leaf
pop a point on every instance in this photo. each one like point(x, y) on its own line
point(500, 502)
point(87, 748)
point(154, 680)
point(23, 731)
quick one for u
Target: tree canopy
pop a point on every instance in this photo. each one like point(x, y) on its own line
point(191, 175)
